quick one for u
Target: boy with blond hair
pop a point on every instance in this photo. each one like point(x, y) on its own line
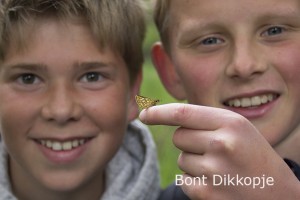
point(237, 64)
point(69, 72)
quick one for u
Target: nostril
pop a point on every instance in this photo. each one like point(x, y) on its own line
point(62, 113)
point(246, 61)
point(61, 105)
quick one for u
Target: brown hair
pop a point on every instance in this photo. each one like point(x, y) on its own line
point(162, 20)
point(117, 24)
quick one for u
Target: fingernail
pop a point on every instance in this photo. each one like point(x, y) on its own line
point(142, 115)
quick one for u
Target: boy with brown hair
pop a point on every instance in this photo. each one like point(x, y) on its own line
point(68, 76)
point(238, 63)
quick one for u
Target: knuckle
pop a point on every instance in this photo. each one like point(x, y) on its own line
point(182, 113)
point(236, 121)
point(222, 144)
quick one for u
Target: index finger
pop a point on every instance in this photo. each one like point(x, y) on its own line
point(185, 115)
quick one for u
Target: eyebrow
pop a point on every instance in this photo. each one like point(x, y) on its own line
point(280, 16)
point(92, 65)
point(196, 25)
point(43, 67)
point(26, 66)
point(193, 29)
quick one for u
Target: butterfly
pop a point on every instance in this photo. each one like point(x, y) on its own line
point(145, 102)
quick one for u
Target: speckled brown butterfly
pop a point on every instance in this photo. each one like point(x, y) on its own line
point(145, 102)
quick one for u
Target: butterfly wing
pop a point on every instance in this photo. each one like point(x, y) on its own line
point(145, 102)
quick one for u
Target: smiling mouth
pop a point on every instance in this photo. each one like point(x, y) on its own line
point(63, 146)
point(254, 101)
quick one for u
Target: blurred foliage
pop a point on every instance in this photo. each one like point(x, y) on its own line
point(152, 87)
point(167, 153)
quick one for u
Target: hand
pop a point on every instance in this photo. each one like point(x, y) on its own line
point(217, 143)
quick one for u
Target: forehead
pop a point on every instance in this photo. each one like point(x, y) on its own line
point(190, 18)
point(24, 35)
point(36, 33)
point(54, 43)
point(203, 11)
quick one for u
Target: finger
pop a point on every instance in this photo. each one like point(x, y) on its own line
point(196, 165)
point(194, 187)
point(193, 141)
point(186, 115)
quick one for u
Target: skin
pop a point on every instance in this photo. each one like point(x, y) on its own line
point(219, 53)
point(63, 87)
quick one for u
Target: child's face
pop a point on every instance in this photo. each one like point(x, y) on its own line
point(63, 92)
point(241, 55)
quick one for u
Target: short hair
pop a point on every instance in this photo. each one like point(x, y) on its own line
point(162, 20)
point(117, 24)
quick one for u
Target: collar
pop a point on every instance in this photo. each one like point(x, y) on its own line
point(294, 167)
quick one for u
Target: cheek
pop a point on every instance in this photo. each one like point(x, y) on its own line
point(15, 123)
point(110, 117)
point(109, 112)
point(287, 64)
point(199, 77)
point(16, 114)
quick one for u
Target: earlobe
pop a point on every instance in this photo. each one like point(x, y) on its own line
point(167, 72)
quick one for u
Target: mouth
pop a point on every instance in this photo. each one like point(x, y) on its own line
point(67, 145)
point(251, 101)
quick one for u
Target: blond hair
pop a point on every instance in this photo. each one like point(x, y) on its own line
point(117, 24)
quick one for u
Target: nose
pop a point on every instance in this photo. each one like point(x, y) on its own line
point(61, 105)
point(247, 61)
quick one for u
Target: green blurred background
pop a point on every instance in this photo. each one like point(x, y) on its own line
point(152, 87)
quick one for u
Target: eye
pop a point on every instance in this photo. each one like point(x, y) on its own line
point(92, 77)
point(211, 41)
point(276, 30)
point(28, 79)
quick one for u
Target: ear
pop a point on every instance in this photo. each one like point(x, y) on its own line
point(167, 72)
point(133, 109)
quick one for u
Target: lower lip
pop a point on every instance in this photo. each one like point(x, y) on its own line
point(254, 112)
point(63, 157)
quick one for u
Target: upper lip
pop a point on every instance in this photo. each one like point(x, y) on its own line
point(64, 140)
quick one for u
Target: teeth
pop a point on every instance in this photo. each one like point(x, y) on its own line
point(67, 146)
point(57, 146)
point(251, 101)
point(62, 146)
point(246, 102)
point(256, 101)
point(75, 143)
